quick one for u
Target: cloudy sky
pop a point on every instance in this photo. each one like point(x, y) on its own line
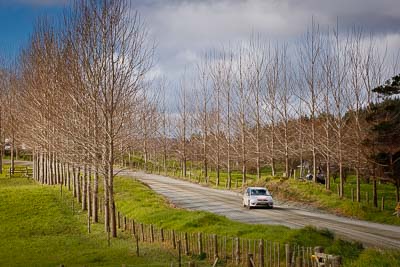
point(183, 29)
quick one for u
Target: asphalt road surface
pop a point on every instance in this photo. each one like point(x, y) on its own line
point(228, 203)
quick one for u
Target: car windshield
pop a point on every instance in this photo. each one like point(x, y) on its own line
point(259, 192)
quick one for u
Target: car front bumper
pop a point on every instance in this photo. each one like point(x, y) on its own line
point(269, 204)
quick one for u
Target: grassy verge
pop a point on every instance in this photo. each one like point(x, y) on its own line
point(137, 201)
point(299, 191)
point(39, 228)
point(317, 196)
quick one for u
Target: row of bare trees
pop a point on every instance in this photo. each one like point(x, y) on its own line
point(8, 117)
point(281, 106)
point(74, 96)
point(80, 99)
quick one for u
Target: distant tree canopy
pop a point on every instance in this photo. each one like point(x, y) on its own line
point(391, 87)
point(383, 140)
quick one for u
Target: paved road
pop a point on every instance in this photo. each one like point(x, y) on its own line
point(227, 203)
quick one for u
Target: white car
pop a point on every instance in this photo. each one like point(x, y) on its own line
point(257, 197)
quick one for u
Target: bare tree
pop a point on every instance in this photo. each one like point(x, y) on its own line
point(242, 96)
point(203, 100)
point(284, 105)
point(340, 66)
point(113, 56)
point(258, 70)
point(183, 124)
point(227, 75)
point(309, 65)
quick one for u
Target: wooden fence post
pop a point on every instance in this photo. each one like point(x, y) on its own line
point(186, 244)
point(108, 236)
point(118, 220)
point(200, 243)
point(383, 204)
point(173, 239)
point(299, 262)
point(261, 253)
point(137, 244)
point(237, 251)
point(151, 233)
point(162, 234)
point(142, 230)
point(179, 254)
point(215, 241)
point(336, 261)
point(288, 254)
point(279, 254)
point(250, 260)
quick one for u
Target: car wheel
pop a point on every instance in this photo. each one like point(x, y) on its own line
point(248, 205)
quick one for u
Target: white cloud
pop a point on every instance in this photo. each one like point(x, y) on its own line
point(185, 29)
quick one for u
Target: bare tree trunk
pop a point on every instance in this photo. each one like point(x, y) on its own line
point(228, 104)
point(218, 135)
point(358, 189)
point(375, 192)
point(84, 188)
point(106, 202)
point(243, 145)
point(286, 154)
point(1, 155)
point(68, 177)
point(95, 195)
point(273, 148)
point(74, 182)
point(341, 178)
point(16, 152)
point(205, 162)
point(89, 193)
point(78, 185)
point(374, 188)
point(41, 170)
point(12, 154)
point(49, 169)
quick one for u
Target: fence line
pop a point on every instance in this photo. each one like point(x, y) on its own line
point(216, 248)
point(229, 250)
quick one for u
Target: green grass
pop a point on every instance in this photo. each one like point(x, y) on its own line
point(300, 191)
point(39, 228)
point(137, 201)
point(377, 258)
point(318, 196)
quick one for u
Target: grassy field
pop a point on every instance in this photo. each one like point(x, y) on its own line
point(39, 228)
